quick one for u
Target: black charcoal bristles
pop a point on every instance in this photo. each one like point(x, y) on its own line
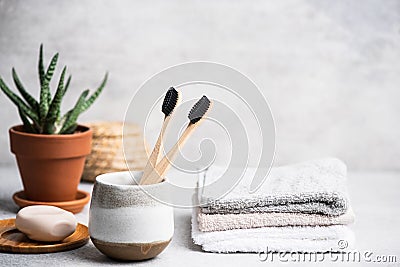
point(170, 101)
point(199, 109)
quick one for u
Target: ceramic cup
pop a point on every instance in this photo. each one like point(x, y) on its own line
point(125, 223)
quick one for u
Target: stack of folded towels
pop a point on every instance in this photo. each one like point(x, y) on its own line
point(299, 208)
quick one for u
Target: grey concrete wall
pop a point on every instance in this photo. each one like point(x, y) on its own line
point(329, 69)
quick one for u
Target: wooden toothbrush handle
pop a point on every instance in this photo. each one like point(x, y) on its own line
point(157, 175)
point(153, 159)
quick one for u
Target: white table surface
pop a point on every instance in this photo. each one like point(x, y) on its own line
point(375, 198)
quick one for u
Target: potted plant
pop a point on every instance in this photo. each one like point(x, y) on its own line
point(50, 148)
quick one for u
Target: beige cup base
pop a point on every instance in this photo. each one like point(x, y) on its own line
point(132, 251)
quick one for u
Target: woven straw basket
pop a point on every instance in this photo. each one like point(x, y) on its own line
point(107, 149)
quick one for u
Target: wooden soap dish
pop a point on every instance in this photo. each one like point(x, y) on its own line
point(13, 241)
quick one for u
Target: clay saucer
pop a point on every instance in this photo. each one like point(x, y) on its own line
point(74, 206)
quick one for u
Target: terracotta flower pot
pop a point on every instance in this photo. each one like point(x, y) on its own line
point(50, 165)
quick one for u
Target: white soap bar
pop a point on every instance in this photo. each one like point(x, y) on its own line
point(45, 223)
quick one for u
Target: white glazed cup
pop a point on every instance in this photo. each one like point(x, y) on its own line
point(125, 223)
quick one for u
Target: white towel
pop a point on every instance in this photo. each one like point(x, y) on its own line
point(271, 239)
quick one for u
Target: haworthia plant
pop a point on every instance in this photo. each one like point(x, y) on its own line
point(44, 116)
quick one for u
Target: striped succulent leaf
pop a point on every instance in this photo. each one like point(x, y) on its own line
point(19, 102)
point(54, 110)
point(41, 66)
point(28, 98)
point(71, 129)
point(96, 94)
point(65, 117)
point(74, 113)
point(67, 84)
point(28, 127)
point(45, 96)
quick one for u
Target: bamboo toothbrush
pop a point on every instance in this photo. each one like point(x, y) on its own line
point(195, 116)
point(171, 100)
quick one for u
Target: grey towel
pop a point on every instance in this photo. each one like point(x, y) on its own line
point(313, 187)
